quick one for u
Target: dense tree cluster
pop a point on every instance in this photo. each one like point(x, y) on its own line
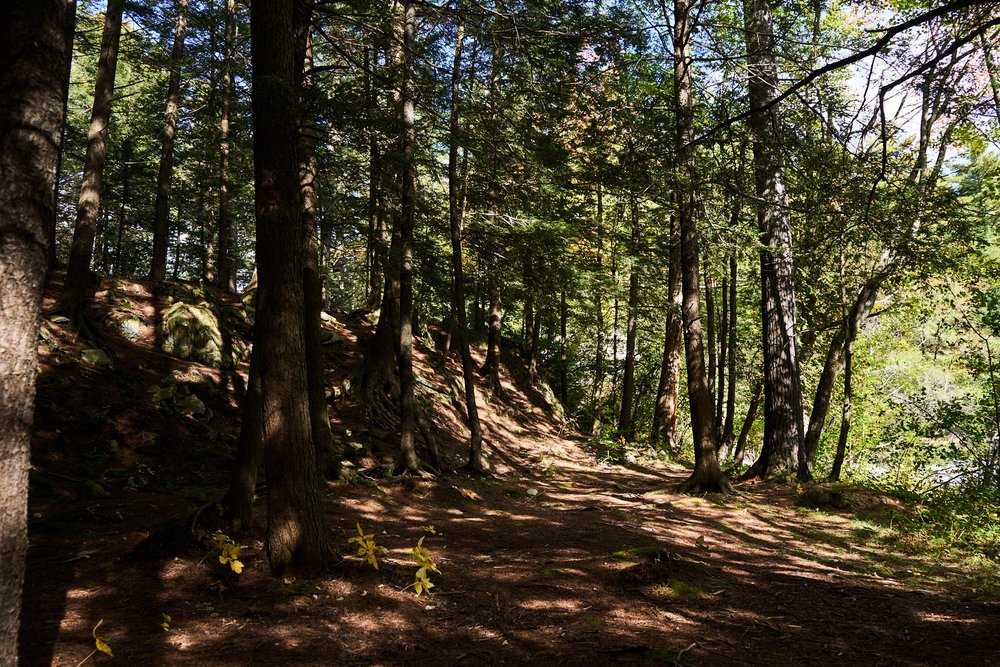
point(708, 227)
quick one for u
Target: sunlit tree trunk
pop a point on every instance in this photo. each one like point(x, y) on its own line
point(707, 475)
point(407, 399)
point(34, 57)
point(161, 217)
point(74, 294)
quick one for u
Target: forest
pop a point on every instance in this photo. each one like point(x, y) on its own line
point(603, 331)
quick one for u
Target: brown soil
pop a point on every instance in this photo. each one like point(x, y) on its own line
point(557, 558)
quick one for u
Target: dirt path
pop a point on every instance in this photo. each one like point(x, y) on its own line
point(583, 564)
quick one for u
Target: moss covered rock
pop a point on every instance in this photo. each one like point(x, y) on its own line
point(191, 331)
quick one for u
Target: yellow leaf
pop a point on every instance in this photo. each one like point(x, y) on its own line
point(102, 646)
point(99, 642)
point(236, 565)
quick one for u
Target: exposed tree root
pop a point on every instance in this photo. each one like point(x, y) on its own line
point(698, 484)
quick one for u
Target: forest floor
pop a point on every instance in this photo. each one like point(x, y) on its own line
point(560, 556)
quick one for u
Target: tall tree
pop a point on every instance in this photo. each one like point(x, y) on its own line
point(327, 454)
point(668, 391)
point(225, 262)
point(783, 419)
point(707, 475)
point(296, 540)
point(408, 138)
point(458, 277)
point(73, 297)
point(161, 219)
point(631, 328)
point(34, 59)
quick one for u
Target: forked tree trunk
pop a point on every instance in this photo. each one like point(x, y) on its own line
point(34, 57)
point(741, 443)
point(845, 420)
point(707, 475)
point(783, 449)
point(296, 540)
point(161, 217)
point(74, 294)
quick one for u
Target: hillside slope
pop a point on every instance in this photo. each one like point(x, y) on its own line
point(558, 556)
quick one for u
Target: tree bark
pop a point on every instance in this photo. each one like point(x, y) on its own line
point(327, 451)
point(407, 399)
point(295, 541)
point(72, 300)
point(782, 450)
point(161, 218)
point(845, 419)
point(376, 220)
point(668, 390)
point(707, 475)
point(238, 501)
point(33, 68)
point(741, 442)
point(225, 263)
point(475, 462)
point(625, 428)
point(597, 393)
point(727, 429)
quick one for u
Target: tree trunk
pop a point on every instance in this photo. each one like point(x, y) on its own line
point(72, 300)
point(407, 400)
point(238, 502)
point(723, 342)
point(668, 391)
point(536, 328)
point(475, 463)
point(491, 366)
point(727, 429)
point(628, 382)
point(845, 419)
point(834, 363)
point(563, 360)
point(376, 220)
point(710, 324)
point(122, 211)
point(296, 540)
point(226, 256)
point(327, 451)
point(741, 442)
point(34, 58)
point(70, 35)
point(783, 449)
point(707, 475)
point(597, 393)
point(161, 218)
